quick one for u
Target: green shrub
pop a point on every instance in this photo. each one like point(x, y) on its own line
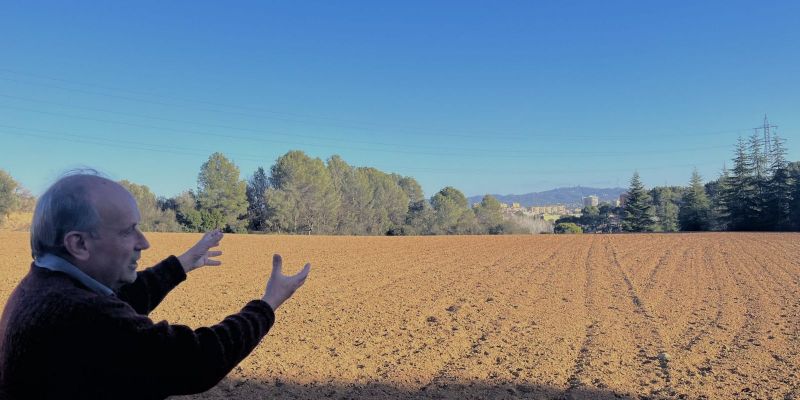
point(567, 227)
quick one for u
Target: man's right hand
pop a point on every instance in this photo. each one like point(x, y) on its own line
point(281, 287)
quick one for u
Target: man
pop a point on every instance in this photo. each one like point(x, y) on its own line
point(76, 326)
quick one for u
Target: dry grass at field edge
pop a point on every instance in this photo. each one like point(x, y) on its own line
point(16, 222)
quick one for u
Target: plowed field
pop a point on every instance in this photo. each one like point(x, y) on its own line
point(584, 316)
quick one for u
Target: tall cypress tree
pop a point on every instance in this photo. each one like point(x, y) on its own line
point(695, 212)
point(638, 213)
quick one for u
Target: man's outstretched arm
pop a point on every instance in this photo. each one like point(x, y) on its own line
point(175, 359)
point(153, 284)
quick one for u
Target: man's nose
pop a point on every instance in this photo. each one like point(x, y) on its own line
point(143, 243)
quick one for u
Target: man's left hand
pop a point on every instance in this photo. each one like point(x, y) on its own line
point(199, 255)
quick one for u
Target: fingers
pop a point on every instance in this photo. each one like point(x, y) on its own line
point(277, 270)
point(300, 278)
point(302, 275)
point(212, 237)
point(214, 253)
point(213, 262)
point(277, 264)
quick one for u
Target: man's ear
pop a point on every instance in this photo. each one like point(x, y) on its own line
point(76, 246)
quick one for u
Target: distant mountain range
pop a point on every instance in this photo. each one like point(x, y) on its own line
point(571, 196)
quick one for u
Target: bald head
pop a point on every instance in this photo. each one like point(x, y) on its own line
point(76, 202)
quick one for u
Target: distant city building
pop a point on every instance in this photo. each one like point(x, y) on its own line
point(540, 211)
point(558, 209)
point(507, 209)
point(591, 200)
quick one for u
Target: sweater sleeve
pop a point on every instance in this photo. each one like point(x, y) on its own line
point(175, 359)
point(152, 285)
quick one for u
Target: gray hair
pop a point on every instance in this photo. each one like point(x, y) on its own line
point(66, 206)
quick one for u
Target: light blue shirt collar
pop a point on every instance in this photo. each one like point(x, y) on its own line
point(58, 264)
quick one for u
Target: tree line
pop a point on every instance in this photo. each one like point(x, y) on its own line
point(304, 195)
point(760, 193)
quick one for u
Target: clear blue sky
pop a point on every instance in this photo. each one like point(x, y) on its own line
point(489, 97)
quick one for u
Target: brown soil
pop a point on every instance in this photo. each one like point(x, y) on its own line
point(691, 316)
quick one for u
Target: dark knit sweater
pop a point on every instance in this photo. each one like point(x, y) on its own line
point(58, 339)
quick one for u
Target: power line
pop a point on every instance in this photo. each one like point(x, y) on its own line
point(474, 153)
point(259, 131)
point(113, 143)
point(548, 171)
point(208, 102)
point(177, 150)
point(250, 115)
point(417, 130)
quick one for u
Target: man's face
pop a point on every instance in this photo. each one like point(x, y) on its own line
point(116, 247)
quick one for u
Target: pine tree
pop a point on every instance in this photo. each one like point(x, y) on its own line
point(353, 193)
point(779, 189)
point(490, 215)
point(256, 205)
point(421, 219)
point(450, 205)
point(740, 197)
point(719, 191)
point(695, 212)
point(638, 213)
point(301, 197)
point(387, 205)
point(758, 161)
point(221, 195)
point(186, 211)
point(665, 200)
point(793, 169)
